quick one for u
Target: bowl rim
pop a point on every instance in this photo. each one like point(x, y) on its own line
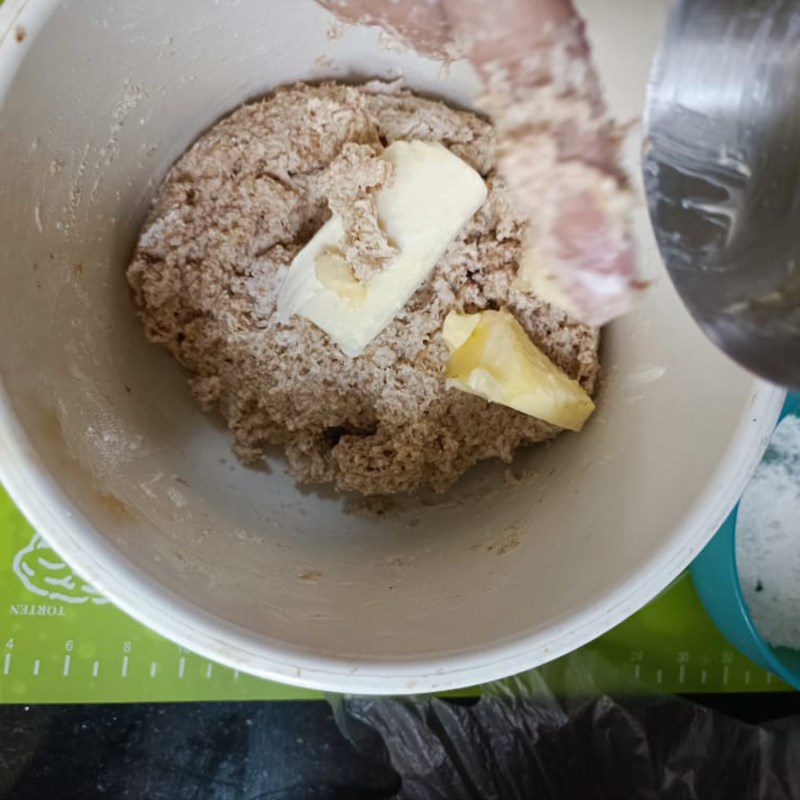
point(48, 509)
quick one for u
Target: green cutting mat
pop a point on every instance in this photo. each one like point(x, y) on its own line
point(61, 642)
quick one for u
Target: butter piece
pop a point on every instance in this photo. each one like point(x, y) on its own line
point(334, 273)
point(491, 356)
point(432, 196)
point(457, 328)
point(534, 276)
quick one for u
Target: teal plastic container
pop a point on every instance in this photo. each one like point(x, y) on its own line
point(716, 579)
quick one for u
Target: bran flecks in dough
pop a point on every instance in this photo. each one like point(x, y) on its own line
point(227, 222)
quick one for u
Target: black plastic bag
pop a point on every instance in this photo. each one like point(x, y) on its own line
point(519, 741)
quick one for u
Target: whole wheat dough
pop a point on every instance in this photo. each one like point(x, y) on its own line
point(225, 225)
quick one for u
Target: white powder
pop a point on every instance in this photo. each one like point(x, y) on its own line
point(768, 539)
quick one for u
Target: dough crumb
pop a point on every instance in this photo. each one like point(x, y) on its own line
point(350, 184)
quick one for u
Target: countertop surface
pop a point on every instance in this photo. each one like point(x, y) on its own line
point(259, 750)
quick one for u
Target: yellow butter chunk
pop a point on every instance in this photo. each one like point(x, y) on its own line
point(334, 273)
point(491, 356)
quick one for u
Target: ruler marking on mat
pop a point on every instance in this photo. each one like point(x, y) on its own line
point(769, 678)
point(36, 665)
point(181, 666)
point(659, 676)
point(124, 668)
point(726, 672)
point(236, 674)
point(95, 668)
point(703, 677)
point(153, 669)
point(6, 663)
point(67, 660)
point(682, 674)
point(208, 670)
point(637, 671)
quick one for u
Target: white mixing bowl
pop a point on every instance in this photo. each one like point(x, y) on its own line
point(105, 451)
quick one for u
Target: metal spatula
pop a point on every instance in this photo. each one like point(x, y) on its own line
point(721, 164)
